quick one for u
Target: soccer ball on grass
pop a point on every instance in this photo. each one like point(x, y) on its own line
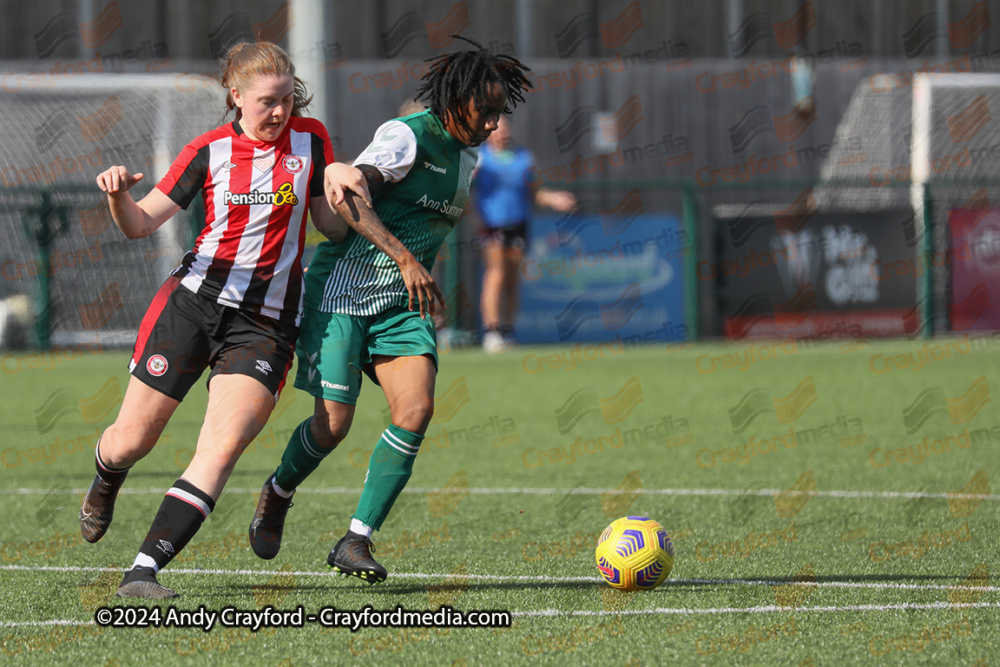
point(634, 553)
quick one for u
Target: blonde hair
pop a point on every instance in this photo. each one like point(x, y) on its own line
point(247, 61)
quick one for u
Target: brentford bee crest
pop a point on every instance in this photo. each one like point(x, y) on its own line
point(293, 164)
point(157, 365)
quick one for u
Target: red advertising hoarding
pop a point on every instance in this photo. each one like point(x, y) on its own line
point(975, 268)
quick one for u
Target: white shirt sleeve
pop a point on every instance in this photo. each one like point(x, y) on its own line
point(479, 163)
point(392, 151)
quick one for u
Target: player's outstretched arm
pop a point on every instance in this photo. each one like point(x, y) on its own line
point(326, 221)
point(136, 219)
point(419, 283)
point(340, 178)
point(558, 200)
point(562, 201)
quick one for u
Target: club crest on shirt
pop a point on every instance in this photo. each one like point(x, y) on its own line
point(293, 164)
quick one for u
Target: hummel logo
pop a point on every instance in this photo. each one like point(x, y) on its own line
point(332, 385)
point(440, 170)
point(165, 547)
point(312, 366)
point(263, 366)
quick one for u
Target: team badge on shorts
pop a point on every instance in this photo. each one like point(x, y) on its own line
point(293, 164)
point(157, 365)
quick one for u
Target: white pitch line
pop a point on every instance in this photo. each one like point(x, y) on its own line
point(36, 624)
point(555, 613)
point(670, 583)
point(906, 495)
point(770, 609)
point(881, 585)
point(331, 573)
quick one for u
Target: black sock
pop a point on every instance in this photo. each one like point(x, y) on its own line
point(183, 510)
point(114, 476)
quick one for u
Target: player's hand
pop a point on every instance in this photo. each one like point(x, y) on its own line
point(420, 286)
point(340, 177)
point(562, 201)
point(117, 180)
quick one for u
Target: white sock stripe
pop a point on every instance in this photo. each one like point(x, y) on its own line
point(142, 560)
point(304, 439)
point(361, 528)
point(97, 454)
point(404, 452)
point(190, 499)
point(100, 463)
point(399, 444)
point(280, 491)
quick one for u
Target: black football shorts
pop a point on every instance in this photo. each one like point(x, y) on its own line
point(510, 236)
point(182, 333)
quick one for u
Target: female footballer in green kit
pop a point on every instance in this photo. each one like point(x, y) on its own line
point(367, 298)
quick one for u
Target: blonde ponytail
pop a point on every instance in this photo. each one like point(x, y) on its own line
point(245, 62)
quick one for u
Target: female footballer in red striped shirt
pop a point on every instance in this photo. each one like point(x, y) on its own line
point(233, 305)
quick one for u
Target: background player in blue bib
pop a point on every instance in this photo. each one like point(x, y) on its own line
point(504, 188)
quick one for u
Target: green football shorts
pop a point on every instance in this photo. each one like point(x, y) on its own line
point(334, 348)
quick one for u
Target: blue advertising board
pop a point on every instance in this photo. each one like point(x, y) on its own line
point(590, 279)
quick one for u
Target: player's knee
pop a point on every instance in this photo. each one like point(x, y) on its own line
point(122, 446)
point(415, 415)
point(330, 430)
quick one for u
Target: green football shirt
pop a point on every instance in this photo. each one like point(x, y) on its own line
point(427, 174)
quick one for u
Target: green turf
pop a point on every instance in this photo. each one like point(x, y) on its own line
point(521, 499)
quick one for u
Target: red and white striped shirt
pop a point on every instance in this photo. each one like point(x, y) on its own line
point(249, 255)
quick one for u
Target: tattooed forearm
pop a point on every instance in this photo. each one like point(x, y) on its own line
point(367, 223)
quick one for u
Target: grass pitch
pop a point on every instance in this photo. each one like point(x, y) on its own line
point(828, 504)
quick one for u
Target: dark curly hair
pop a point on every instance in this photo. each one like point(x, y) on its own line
point(455, 78)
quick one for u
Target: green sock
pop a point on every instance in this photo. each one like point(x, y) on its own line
point(302, 455)
point(389, 469)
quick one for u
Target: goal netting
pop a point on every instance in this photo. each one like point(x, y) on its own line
point(929, 141)
point(69, 276)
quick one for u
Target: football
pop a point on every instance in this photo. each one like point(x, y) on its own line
point(634, 553)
